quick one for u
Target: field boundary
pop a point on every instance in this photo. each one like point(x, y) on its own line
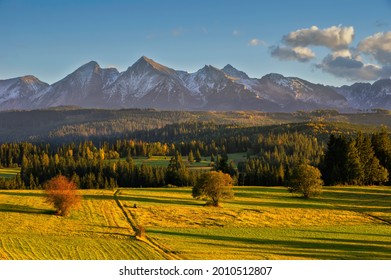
point(148, 240)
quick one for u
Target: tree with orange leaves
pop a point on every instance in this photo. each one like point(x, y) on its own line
point(62, 193)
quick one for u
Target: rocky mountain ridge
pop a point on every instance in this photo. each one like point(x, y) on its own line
point(148, 84)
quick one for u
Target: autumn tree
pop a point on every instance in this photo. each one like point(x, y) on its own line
point(305, 180)
point(62, 193)
point(214, 185)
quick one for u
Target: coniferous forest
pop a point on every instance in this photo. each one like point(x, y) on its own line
point(344, 155)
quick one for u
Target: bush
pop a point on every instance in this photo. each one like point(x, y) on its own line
point(140, 231)
point(62, 193)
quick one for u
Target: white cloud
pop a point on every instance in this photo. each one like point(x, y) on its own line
point(378, 46)
point(236, 32)
point(256, 42)
point(344, 61)
point(334, 37)
point(298, 53)
point(342, 53)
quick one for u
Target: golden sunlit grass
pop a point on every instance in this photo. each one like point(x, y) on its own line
point(346, 222)
point(97, 230)
point(267, 223)
point(185, 217)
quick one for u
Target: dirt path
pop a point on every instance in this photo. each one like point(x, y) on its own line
point(162, 250)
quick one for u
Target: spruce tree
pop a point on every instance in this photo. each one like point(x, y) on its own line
point(382, 146)
point(176, 173)
point(373, 173)
point(198, 156)
point(190, 157)
point(334, 163)
point(353, 168)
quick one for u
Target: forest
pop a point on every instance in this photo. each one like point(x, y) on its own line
point(343, 154)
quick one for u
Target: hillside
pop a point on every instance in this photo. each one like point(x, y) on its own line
point(72, 123)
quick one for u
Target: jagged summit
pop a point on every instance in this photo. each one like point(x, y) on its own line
point(235, 73)
point(149, 84)
point(144, 63)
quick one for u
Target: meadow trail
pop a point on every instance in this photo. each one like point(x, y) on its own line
point(155, 245)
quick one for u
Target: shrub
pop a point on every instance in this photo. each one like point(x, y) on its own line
point(140, 231)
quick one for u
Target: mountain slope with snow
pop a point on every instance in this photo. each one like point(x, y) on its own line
point(82, 88)
point(148, 84)
point(15, 93)
point(368, 96)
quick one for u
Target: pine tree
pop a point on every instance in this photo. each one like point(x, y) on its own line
point(334, 163)
point(176, 173)
point(190, 157)
point(353, 168)
point(373, 173)
point(382, 146)
point(198, 156)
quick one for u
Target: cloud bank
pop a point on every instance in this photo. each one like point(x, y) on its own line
point(378, 46)
point(343, 61)
point(335, 37)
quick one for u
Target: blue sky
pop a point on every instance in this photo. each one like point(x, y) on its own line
point(49, 39)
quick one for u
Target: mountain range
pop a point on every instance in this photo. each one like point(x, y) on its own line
point(147, 84)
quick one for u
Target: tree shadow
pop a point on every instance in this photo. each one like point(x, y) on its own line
point(97, 197)
point(345, 233)
point(12, 208)
point(319, 248)
point(163, 201)
point(22, 193)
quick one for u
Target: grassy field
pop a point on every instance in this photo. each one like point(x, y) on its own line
point(205, 163)
point(98, 230)
point(260, 223)
point(268, 223)
point(9, 172)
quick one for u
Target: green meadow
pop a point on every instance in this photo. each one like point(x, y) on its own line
point(9, 172)
point(346, 222)
point(163, 161)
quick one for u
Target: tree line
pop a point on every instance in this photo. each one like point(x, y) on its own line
point(361, 159)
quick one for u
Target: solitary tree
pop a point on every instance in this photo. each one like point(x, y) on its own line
point(306, 180)
point(62, 193)
point(213, 185)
